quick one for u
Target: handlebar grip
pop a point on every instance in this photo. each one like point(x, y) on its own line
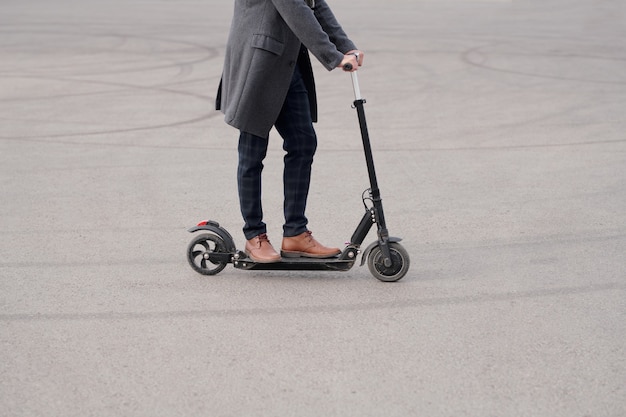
point(347, 67)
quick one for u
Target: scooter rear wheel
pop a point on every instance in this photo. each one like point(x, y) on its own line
point(399, 263)
point(199, 250)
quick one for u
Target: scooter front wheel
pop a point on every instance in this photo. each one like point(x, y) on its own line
point(399, 263)
point(199, 251)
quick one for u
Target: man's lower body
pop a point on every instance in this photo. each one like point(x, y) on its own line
point(295, 126)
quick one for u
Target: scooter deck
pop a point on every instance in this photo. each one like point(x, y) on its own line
point(296, 264)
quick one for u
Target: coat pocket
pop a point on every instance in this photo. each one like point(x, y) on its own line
point(268, 44)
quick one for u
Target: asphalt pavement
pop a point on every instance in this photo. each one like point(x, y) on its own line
point(498, 136)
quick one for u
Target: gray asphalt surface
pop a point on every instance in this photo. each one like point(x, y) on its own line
point(498, 134)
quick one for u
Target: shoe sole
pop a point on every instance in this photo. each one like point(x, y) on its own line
point(262, 261)
point(286, 254)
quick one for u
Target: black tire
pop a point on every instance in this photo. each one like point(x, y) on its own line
point(198, 250)
point(399, 263)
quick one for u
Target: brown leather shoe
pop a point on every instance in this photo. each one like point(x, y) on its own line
point(260, 250)
point(304, 245)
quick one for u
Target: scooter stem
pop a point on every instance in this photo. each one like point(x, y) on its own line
point(377, 210)
point(355, 86)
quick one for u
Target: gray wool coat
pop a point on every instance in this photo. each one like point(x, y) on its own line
point(264, 45)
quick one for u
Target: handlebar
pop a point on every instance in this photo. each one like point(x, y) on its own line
point(348, 66)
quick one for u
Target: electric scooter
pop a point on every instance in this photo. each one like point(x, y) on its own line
point(213, 248)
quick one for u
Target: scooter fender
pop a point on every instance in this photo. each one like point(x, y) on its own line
point(367, 250)
point(213, 226)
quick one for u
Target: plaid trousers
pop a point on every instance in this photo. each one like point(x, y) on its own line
point(295, 126)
